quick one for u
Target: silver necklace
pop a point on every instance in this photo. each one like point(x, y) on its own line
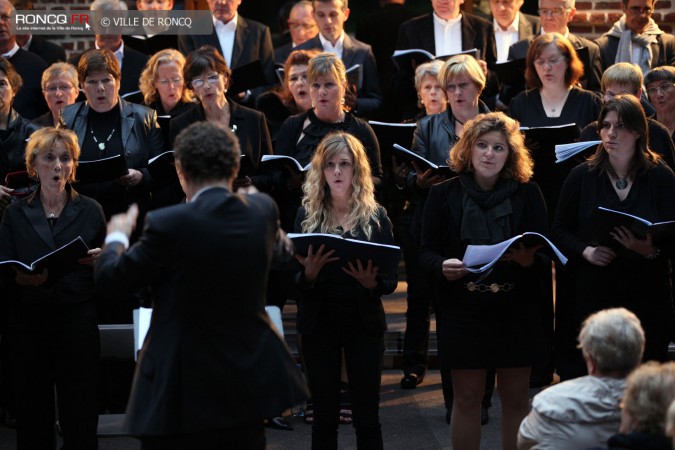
point(101, 145)
point(621, 184)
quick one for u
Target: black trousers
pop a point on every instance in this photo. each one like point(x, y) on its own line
point(242, 437)
point(322, 354)
point(55, 348)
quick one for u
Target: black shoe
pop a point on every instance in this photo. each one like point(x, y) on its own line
point(484, 418)
point(278, 423)
point(411, 380)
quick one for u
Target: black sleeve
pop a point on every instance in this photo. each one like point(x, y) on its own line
point(566, 224)
point(433, 223)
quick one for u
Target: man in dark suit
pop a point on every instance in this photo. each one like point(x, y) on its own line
point(211, 367)
point(637, 39)
point(152, 43)
point(301, 26)
point(42, 47)
point(239, 40)
point(330, 16)
point(446, 31)
point(554, 16)
point(131, 61)
point(28, 102)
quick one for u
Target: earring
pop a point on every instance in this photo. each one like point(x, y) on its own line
point(342, 100)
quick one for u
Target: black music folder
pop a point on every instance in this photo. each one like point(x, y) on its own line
point(248, 76)
point(510, 72)
point(162, 168)
point(403, 155)
point(384, 257)
point(411, 58)
point(106, 169)
point(389, 134)
point(278, 162)
point(58, 263)
point(603, 220)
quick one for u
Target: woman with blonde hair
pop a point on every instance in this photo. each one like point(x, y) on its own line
point(60, 88)
point(490, 201)
point(342, 312)
point(162, 84)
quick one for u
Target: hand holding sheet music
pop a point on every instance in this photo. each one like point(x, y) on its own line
point(479, 258)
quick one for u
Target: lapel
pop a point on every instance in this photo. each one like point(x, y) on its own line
point(36, 217)
point(127, 121)
point(524, 27)
point(468, 35)
point(348, 52)
point(240, 37)
point(655, 54)
point(238, 118)
point(426, 34)
point(80, 122)
point(210, 39)
point(449, 127)
point(69, 214)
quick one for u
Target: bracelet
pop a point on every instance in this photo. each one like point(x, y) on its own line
point(654, 255)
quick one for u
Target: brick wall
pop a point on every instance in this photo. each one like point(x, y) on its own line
point(593, 18)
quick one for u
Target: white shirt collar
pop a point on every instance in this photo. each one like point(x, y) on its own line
point(231, 25)
point(446, 23)
point(329, 47)
point(28, 42)
point(566, 35)
point(12, 52)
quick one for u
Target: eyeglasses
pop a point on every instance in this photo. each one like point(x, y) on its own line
point(174, 81)
point(304, 26)
point(554, 12)
point(62, 88)
point(662, 88)
point(453, 87)
point(551, 61)
point(211, 79)
point(637, 11)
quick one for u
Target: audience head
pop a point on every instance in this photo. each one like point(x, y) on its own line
point(60, 86)
point(497, 137)
point(10, 87)
point(224, 10)
point(295, 89)
point(7, 39)
point(430, 92)
point(638, 13)
point(99, 74)
point(650, 390)
point(621, 78)
point(206, 66)
point(110, 42)
point(612, 342)
point(446, 9)
point(301, 23)
point(154, 5)
point(555, 15)
point(552, 59)
point(162, 79)
point(206, 152)
point(339, 169)
point(330, 17)
point(505, 11)
point(660, 85)
point(45, 140)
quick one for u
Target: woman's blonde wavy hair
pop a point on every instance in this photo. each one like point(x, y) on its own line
point(149, 75)
point(317, 199)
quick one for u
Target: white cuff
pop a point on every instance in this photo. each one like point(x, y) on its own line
point(117, 236)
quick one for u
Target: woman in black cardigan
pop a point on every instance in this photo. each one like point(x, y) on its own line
point(490, 320)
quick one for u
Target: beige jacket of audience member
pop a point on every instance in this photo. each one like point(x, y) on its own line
point(575, 414)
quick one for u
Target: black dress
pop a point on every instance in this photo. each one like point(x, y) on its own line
point(482, 330)
point(630, 281)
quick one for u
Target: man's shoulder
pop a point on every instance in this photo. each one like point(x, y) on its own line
point(252, 25)
point(418, 22)
point(476, 21)
point(580, 41)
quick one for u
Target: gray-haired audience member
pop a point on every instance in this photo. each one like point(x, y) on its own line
point(585, 412)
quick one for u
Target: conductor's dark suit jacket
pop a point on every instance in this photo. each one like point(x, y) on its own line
point(211, 358)
point(368, 95)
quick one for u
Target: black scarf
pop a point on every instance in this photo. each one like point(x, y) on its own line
point(486, 214)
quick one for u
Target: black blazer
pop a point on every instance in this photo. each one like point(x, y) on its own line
point(250, 127)
point(12, 149)
point(211, 358)
point(663, 51)
point(47, 50)
point(132, 66)
point(25, 236)
point(368, 96)
point(252, 41)
point(29, 101)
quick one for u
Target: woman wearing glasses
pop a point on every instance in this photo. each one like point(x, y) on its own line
point(207, 74)
point(60, 88)
point(660, 83)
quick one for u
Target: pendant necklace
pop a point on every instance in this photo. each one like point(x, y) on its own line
point(101, 145)
point(621, 184)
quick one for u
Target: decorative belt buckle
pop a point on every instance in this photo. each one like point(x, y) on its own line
point(471, 286)
point(494, 288)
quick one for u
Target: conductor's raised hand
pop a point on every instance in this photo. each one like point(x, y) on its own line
point(454, 269)
point(521, 254)
point(366, 276)
point(124, 222)
point(599, 256)
point(426, 179)
point(314, 262)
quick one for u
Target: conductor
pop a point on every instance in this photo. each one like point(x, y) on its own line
point(211, 367)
